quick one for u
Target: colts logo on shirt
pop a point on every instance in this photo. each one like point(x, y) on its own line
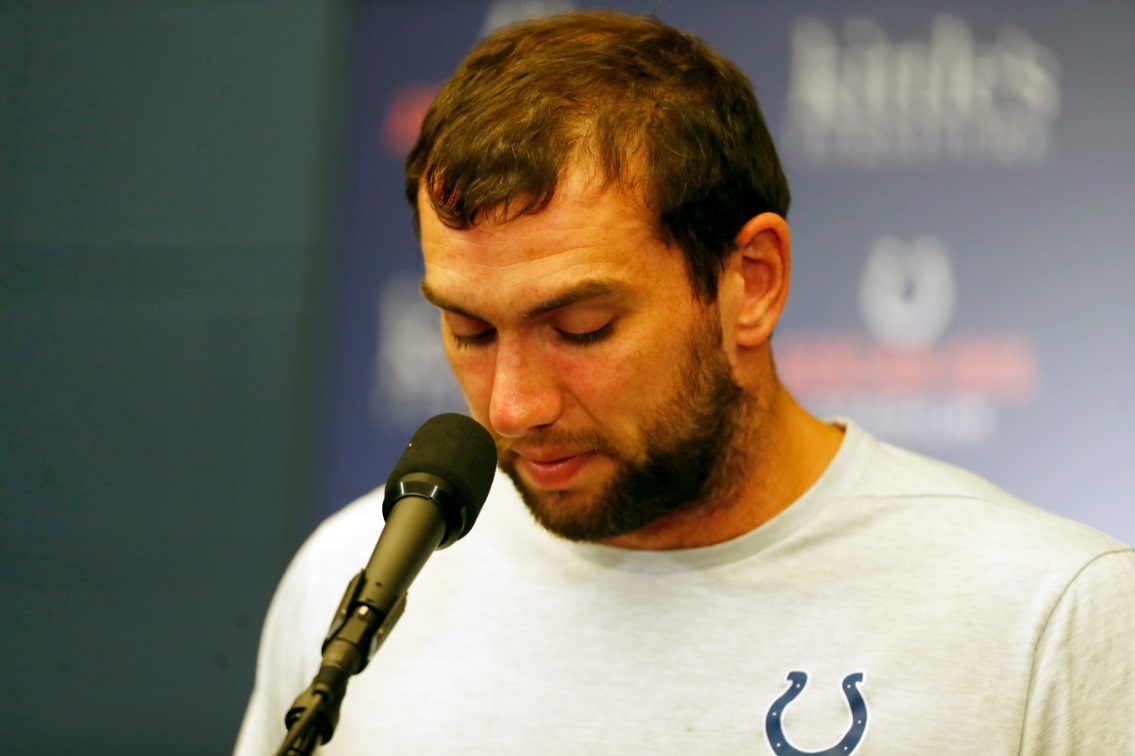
point(774, 729)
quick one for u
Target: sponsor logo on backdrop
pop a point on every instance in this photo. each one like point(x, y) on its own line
point(411, 379)
point(404, 116)
point(863, 99)
point(904, 378)
point(866, 101)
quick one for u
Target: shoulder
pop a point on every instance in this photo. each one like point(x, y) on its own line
point(334, 552)
point(349, 534)
point(322, 567)
point(344, 542)
point(955, 522)
point(901, 476)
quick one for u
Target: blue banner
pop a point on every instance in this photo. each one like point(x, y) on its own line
point(964, 185)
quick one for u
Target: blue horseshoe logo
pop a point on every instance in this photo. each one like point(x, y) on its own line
point(775, 731)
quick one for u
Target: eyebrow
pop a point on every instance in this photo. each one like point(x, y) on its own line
point(581, 292)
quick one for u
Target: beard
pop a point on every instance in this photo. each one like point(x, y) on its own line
point(690, 455)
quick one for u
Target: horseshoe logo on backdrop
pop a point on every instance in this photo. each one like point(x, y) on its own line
point(774, 730)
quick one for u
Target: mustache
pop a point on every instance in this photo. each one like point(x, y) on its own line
point(559, 438)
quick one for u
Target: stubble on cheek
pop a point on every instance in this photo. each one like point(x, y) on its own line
point(684, 456)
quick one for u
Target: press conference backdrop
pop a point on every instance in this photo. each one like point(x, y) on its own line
point(963, 176)
point(175, 417)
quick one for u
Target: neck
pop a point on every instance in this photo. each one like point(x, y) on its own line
point(781, 451)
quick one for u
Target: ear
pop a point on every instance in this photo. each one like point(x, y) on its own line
point(759, 274)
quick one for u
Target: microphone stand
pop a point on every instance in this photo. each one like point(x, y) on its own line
point(367, 613)
point(313, 716)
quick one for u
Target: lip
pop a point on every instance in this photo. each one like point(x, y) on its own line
point(553, 470)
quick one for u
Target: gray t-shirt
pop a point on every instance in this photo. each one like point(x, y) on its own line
point(901, 606)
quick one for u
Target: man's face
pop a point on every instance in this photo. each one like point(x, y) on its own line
point(579, 343)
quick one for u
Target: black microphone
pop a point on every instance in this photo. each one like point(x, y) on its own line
point(433, 497)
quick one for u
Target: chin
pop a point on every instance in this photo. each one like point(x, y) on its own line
point(570, 514)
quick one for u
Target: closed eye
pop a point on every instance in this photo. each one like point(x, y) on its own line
point(480, 338)
point(589, 337)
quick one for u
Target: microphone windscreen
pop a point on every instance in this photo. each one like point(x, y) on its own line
point(456, 449)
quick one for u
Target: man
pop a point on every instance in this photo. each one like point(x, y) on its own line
point(602, 217)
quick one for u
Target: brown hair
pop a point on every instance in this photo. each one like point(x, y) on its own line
point(652, 107)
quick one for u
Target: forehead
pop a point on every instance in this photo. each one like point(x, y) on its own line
point(585, 232)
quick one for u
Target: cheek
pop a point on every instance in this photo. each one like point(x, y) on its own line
point(609, 383)
point(473, 370)
point(612, 385)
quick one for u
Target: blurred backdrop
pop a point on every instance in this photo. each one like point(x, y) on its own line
point(211, 338)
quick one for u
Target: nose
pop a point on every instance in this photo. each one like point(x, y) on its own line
point(525, 393)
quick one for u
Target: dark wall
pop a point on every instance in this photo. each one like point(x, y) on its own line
point(164, 225)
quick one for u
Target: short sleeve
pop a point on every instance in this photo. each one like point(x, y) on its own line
point(1082, 693)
